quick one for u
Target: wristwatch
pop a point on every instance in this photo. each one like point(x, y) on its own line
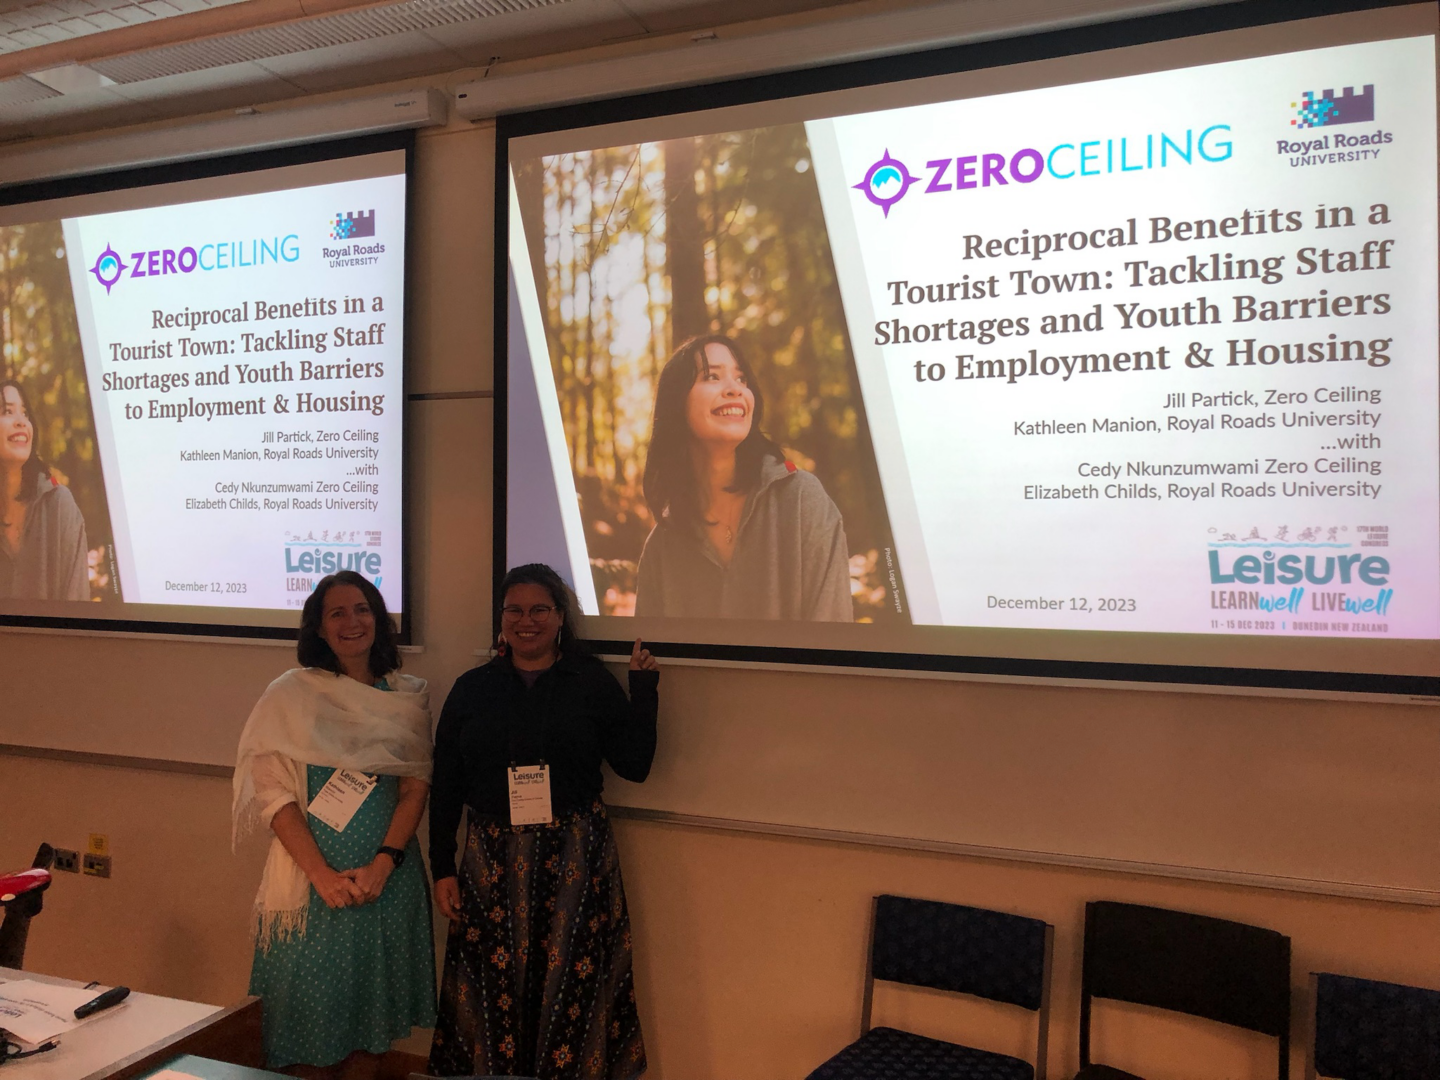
point(397, 855)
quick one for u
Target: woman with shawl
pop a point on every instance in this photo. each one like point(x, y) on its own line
point(344, 958)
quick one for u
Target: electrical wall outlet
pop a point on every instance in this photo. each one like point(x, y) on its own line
point(97, 865)
point(67, 859)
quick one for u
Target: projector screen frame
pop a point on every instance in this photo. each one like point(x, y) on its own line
point(998, 53)
point(208, 167)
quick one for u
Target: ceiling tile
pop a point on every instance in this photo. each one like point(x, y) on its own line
point(105, 20)
point(52, 32)
point(131, 14)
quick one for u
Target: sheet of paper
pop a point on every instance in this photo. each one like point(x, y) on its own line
point(35, 1012)
point(337, 801)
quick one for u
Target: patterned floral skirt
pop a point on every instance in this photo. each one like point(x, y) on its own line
point(537, 969)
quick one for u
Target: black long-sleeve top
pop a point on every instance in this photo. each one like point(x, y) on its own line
point(573, 717)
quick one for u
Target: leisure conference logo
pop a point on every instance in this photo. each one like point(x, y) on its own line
point(1327, 110)
point(1314, 557)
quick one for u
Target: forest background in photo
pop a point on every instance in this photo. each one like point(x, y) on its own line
point(636, 248)
point(40, 348)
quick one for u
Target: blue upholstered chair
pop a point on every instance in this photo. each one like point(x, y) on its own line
point(1212, 968)
point(1367, 1030)
point(964, 950)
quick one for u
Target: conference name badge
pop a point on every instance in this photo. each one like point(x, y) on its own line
point(530, 795)
point(341, 796)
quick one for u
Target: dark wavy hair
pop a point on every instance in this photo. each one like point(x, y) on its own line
point(670, 484)
point(35, 467)
point(560, 595)
point(312, 650)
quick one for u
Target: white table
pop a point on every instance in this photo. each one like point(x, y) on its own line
point(130, 1038)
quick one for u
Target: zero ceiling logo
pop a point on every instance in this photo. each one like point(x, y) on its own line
point(108, 268)
point(886, 182)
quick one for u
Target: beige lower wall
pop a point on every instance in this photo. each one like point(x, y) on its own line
point(749, 949)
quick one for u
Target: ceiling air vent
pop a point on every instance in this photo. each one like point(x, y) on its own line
point(23, 91)
point(342, 29)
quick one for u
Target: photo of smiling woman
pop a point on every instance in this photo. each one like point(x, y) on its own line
point(667, 278)
point(740, 531)
point(43, 548)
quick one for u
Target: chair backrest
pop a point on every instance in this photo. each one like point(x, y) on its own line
point(965, 950)
point(1212, 968)
point(1366, 1030)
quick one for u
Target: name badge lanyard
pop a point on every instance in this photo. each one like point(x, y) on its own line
point(529, 784)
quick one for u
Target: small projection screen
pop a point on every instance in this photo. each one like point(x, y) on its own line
point(202, 377)
point(1109, 353)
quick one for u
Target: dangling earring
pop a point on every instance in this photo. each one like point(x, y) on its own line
point(500, 644)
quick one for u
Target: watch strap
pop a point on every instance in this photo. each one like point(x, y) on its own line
point(397, 855)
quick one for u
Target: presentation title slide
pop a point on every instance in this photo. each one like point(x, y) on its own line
point(1154, 353)
point(241, 360)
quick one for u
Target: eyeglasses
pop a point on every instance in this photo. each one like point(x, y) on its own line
point(540, 612)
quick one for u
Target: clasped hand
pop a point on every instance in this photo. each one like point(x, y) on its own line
point(350, 888)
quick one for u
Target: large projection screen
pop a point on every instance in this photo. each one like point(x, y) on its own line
point(202, 372)
point(1116, 364)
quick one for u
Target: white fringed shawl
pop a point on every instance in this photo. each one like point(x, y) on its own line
point(312, 717)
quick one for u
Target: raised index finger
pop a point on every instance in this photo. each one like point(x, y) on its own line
point(635, 654)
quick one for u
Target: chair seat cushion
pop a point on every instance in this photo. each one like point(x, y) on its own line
point(888, 1054)
point(1105, 1072)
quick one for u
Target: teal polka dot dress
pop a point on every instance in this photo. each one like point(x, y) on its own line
point(360, 977)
